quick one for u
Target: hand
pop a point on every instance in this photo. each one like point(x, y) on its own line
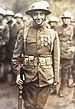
point(19, 81)
point(56, 83)
point(3, 43)
point(71, 49)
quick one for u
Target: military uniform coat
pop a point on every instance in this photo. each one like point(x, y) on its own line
point(38, 53)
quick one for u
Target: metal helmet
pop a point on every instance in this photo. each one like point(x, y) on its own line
point(41, 6)
point(2, 11)
point(18, 15)
point(9, 13)
point(67, 14)
point(45, 3)
point(52, 19)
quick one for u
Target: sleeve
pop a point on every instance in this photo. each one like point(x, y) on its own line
point(74, 36)
point(17, 54)
point(56, 58)
point(6, 33)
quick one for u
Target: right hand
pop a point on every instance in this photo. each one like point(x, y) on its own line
point(19, 81)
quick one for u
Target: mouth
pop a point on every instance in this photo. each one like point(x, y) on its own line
point(38, 21)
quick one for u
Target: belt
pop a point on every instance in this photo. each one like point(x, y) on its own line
point(44, 60)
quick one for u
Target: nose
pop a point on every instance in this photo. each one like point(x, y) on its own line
point(38, 16)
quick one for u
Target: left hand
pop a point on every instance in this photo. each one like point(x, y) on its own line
point(71, 49)
point(55, 83)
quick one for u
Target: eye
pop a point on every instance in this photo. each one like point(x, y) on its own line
point(41, 14)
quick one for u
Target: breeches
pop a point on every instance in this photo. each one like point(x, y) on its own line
point(35, 97)
point(65, 71)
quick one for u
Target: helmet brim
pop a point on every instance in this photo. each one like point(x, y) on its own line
point(1, 14)
point(9, 15)
point(31, 12)
point(65, 17)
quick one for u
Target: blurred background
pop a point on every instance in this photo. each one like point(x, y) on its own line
point(56, 6)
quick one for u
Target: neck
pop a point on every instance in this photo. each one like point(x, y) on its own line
point(65, 25)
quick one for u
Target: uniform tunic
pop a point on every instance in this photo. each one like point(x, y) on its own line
point(41, 61)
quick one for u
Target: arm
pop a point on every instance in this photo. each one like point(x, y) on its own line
point(6, 34)
point(17, 58)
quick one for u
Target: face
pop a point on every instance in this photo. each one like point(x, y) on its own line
point(53, 24)
point(66, 20)
point(39, 17)
point(9, 18)
point(18, 19)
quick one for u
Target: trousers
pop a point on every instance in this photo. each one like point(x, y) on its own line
point(35, 97)
point(65, 71)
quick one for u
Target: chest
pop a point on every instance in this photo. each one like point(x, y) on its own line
point(66, 34)
point(39, 42)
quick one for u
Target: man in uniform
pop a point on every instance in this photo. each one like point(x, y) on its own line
point(73, 67)
point(4, 38)
point(52, 22)
point(40, 64)
point(65, 33)
point(13, 30)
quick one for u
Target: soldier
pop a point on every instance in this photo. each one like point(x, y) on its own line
point(66, 50)
point(52, 22)
point(40, 63)
point(73, 67)
point(13, 30)
point(4, 38)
